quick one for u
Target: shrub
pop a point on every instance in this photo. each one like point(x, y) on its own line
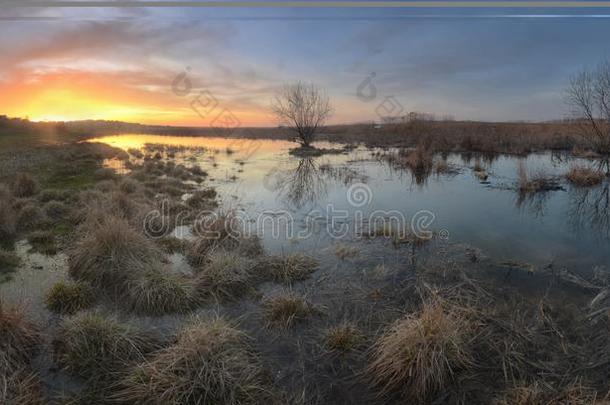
point(111, 253)
point(418, 353)
point(225, 274)
point(584, 176)
point(345, 336)
point(93, 345)
point(25, 185)
point(211, 363)
point(69, 298)
point(287, 309)
point(159, 292)
point(289, 268)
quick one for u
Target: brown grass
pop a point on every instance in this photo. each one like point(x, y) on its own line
point(8, 216)
point(210, 363)
point(218, 232)
point(584, 176)
point(288, 268)
point(70, 297)
point(160, 292)
point(225, 275)
point(539, 393)
point(343, 251)
point(343, 337)
point(94, 345)
point(19, 339)
point(529, 184)
point(111, 253)
point(419, 354)
point(25, 185)
point(287, 309)
point(8, 261)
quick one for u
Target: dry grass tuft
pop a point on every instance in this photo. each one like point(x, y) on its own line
point(225, 275)
point(25, 185)
point(584, 177)
point(94, 345)
point(343, 337)
point(111, 253)
point(539, 393)
point(70, 297)
point(418, 354)
point(19, 339)
point(8, 261)
point(159, 292)
point(8, 216)
point(287, 309)
point(343, 251)
point(219, 231)
point(289, 268)
point(540, 181)
point(43, 242)
point(30, 216)
point(210, 363)
point(20, 387)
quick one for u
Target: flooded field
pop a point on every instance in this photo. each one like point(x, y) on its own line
point(568, 227)
point(339, 256)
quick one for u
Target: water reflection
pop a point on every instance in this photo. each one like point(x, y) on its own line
point(589, 208)
point(298, 186)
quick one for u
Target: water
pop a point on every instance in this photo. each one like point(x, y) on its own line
point(567, 227)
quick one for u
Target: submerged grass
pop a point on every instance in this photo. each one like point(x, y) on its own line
point(211, 363)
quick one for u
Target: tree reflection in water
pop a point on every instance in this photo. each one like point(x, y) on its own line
point(589, 208)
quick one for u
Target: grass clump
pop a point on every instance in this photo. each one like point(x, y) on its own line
point(111, 253)
point(93, 345)
point(419, 353)
point(584, 176)
point(43, 242)
point(20, 387)
point(25, 185)
point(343, 251)
point(538, 182)
point(225, 275)
point(8, 216)
point(19, 339)
point(286, 310)
point(159, 292)
point(343, 337)
point(70, 297)
point(220, 231)
point(8, 261)
point(289, 268)
point(30, 217)
point(210, 363)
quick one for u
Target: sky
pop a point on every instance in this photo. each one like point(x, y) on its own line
point(200, 67)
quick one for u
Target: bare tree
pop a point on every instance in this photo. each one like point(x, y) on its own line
point(304, 108)
point(589, 96)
